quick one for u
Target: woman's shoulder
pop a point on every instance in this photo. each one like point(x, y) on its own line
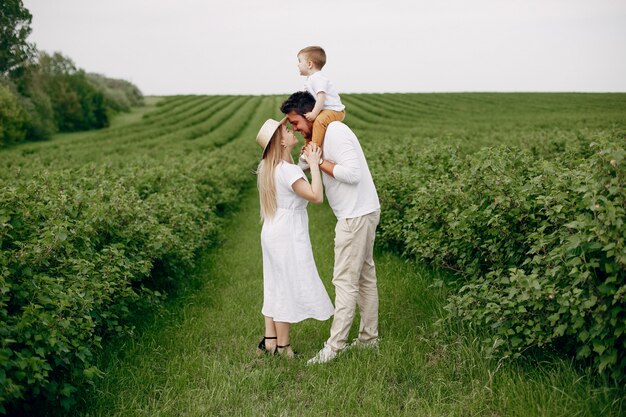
point(290, 172)
point(287, 166)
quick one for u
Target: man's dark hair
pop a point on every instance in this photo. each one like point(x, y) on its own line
point(301, 102)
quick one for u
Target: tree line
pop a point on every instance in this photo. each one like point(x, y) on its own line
point(42, 93)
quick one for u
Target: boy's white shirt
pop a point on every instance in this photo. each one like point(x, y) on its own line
point(317, 82)
point(351, 193)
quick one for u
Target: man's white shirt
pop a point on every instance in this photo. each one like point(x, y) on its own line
point(351, 193)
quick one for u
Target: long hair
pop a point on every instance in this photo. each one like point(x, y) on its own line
point(265, 176)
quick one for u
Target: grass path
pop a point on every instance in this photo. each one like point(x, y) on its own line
point(198, 357)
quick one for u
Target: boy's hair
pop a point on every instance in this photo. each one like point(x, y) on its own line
point(301, 102)
point(315, 54)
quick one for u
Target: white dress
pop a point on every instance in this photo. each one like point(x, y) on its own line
point(292, 288)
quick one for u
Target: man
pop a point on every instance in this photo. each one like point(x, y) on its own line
point(352, 196)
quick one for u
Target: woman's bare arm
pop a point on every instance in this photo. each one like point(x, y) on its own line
point(312, 192)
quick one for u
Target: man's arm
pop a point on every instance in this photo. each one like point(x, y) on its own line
point(347, 168)
point(328, 167)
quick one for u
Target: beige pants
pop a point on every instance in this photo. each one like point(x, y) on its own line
point(354, 278)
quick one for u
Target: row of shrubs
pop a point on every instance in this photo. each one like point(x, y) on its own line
point(84, 249)
point(53, 95)
point(539, 243)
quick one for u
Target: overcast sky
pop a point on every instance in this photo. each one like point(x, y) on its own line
point(250, 47)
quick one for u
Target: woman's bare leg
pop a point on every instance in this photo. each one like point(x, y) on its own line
point(282, 330)
point(270, 331)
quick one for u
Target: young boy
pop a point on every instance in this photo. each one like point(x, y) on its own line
point(328, 107)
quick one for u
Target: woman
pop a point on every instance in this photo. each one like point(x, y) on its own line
point(292, 289)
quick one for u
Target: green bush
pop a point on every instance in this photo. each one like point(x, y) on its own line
point(569, 287)
point(85, 248)
point(12, 118)
point(76, 103)
point(54, 95)
point(119, 95)
point(540, 243)
point(72, 266)
point(79, 250)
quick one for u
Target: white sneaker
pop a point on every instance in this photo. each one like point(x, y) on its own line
point(323, 356)
point(359, 344)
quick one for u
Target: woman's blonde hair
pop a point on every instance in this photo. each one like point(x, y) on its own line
point(265, 176)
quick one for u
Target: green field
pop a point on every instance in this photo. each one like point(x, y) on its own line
point(97, 227)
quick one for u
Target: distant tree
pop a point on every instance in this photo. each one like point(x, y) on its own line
point(77, 104)
point(40, 124)
point(15, 22)
point(42, 96)
point(119, 95)
point(12, 118)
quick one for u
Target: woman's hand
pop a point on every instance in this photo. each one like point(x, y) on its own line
point(313, 154)
point(314, 191)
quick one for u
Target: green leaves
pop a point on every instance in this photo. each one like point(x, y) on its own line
point(87, 247)
point(538, 244)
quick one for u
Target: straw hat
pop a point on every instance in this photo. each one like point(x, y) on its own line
point(267, 131)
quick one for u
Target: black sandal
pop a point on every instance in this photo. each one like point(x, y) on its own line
point(262, 347)
point(290, 355)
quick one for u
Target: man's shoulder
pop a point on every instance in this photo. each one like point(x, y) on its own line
point(339, 128)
